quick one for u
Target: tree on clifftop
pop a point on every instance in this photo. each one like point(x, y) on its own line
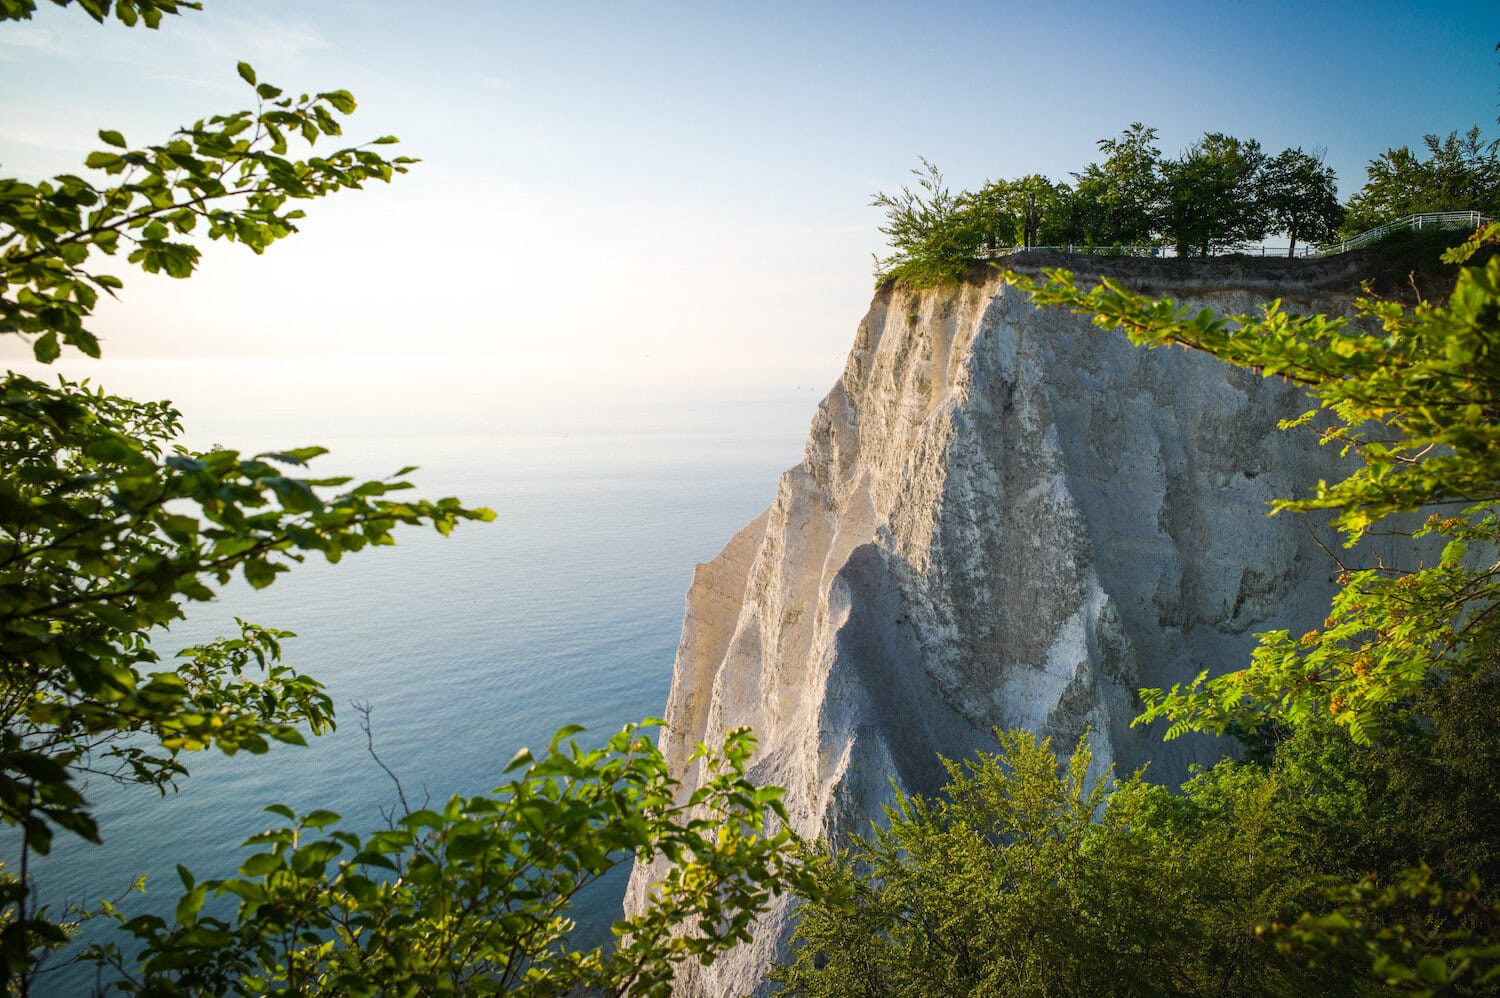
point(932, 233)
point(1460, 172)
point(1300, 197)
point(1211, 192)
point(1119, 202)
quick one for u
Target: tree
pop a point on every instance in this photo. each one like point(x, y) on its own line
point(1037, 204)
point(1021, 212)
point(934, 233)
point(107, 528)
point(993, 214)
point(1461, 172)
point(1300, 197)
point(937, 235)
point(1121, 199)
point(1211, 199)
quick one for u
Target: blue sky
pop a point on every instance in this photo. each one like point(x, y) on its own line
point(680, 191)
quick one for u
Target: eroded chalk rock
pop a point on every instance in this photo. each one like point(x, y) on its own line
point(1004, 517)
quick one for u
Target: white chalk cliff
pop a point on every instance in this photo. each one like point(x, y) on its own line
point(1005, 517)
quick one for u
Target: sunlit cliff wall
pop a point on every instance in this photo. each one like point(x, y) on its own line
point(1005, 517)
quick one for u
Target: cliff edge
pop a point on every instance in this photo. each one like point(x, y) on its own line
point(1008, 517)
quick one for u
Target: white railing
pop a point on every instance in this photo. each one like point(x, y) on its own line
point(1423, 220)
point(1285, 252)
point(1412, 223)
point(991, 252)
point(988, 252)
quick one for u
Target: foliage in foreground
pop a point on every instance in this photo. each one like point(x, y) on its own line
point(1318, 870)
point(1415, 393)
point(108, 528)
point(473, 898)
point(1028, 878)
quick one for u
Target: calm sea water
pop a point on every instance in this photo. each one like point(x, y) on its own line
point(565, 610)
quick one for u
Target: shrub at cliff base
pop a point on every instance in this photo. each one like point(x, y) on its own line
point(107, 528)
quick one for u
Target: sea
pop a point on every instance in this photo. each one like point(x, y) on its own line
point(565, 610)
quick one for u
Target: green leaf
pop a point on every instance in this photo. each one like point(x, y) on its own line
point(523, 757)
point(565, 732)
point(426, 817)
point(342, 100)
point(246, 73)
point(46, 348)
point(112, 137)
point(261, 864)
point(190, 904)
point(319, 819)
point(260, 573)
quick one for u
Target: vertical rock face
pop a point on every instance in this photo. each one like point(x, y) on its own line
point(1004, 517)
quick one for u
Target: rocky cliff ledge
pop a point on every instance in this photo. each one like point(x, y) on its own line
point(1004, 517)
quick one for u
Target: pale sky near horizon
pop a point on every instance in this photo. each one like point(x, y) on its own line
point(666, 192)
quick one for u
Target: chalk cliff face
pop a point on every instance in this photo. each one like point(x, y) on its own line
point(1004, 517)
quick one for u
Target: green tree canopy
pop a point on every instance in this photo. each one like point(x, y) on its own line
point(1121, 198)
point(1030, 877)
point(1459, 172)
point(1299, 196)
point(1211, 200)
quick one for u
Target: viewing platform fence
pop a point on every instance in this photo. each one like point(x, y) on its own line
point(1412, 223)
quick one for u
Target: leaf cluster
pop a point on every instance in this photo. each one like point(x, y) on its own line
point(128, 12)
point(106, 530)
point(1449, 949)
point(473, 898)
point(230, 177)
